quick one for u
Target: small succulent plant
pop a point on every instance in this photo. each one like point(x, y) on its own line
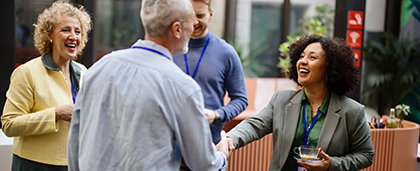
point(402, 111)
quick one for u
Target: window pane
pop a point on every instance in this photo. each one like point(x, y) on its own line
point(117, 25)
point(296, 13)
point(26, 13)
point(265, 39)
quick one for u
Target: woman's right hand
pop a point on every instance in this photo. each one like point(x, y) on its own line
point(64, 112)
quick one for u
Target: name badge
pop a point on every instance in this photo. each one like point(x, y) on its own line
point(301, 168)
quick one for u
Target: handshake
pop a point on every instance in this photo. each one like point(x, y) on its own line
point(225, 145)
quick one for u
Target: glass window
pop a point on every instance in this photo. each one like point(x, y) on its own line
point(265, 37)
point(26, 13)
point(117, 25)
point(296, 13)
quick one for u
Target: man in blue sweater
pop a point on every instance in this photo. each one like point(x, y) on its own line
point(216, 67)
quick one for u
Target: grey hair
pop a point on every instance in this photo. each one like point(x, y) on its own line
point(158, 15)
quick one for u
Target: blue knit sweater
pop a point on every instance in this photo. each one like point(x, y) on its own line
point(220, 70)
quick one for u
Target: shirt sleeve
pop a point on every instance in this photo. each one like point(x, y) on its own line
point(194, 138)
point(235, 86)
point(17, 118)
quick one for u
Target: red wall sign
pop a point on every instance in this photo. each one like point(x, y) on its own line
point(354, 38)
point(357, 54)
point(355, 34)
point(355, 20)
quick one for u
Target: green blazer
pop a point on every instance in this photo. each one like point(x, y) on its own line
point(345, 136)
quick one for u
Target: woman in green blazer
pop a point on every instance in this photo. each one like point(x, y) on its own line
point(333, 122)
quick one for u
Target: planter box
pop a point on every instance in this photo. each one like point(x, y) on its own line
point(395, 149)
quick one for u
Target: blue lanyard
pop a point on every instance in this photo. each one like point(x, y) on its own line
point(196, 67)
point(151, 50)
point(306, 135)
point(72, 88)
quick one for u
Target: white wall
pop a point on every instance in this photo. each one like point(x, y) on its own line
point(217, 24)
point(375, 15)
point(6, 145)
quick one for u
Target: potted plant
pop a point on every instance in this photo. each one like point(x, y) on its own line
point(402, 111)
point(394, 70)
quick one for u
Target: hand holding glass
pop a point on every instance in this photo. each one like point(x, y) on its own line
point(306, 152)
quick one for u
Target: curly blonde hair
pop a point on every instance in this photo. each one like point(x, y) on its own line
point(49, 18)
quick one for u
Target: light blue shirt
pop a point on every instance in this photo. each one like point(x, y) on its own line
point(137, 110)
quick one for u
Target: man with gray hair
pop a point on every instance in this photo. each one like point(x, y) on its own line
point(137, 110)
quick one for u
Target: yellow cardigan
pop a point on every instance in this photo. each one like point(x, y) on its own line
point(36, 88)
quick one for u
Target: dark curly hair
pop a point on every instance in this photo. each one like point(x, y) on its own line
point(340, 73)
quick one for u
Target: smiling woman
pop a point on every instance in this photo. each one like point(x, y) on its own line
point(42, 92)
point(319, 115)
point(65, 39)
point(47, 23)
point(311, 66)
point(340, 74)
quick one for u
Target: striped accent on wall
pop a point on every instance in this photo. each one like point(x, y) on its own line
point(395, 149)
point(255, 156)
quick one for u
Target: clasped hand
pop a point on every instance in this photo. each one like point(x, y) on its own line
point(224, 144)
point(64, 112)
point(210, 115)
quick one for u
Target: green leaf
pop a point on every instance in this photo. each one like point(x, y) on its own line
point(415, 3)
point(406, 12)
point(416, 16)
point(395, 67)
point(376, 79)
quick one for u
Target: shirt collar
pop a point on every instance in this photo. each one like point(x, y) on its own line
point(324, 107)
point(200, 41)
point(49, 63)
point(153, 45)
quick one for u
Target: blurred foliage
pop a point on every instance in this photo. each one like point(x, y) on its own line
point(251, 69)
point(322, 23)
point(124, 34)
point(395, 70)
point(415, 3)
point(284, 58)
point(407, 11)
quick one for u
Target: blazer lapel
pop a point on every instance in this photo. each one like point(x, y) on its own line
point(291, 119)
point(330, 123)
